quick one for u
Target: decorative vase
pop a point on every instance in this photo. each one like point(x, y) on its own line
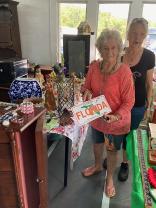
point(22, 88)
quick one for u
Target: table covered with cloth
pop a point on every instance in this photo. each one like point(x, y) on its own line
point(75, 133)
point(137, 196)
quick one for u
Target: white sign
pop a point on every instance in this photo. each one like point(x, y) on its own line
point(152, 127)
point(90, 110)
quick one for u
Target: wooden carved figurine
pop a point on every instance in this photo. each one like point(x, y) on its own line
point(49, 96)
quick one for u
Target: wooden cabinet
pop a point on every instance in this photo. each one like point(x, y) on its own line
point(23, 164)
point(4, 96)
point(10, 46)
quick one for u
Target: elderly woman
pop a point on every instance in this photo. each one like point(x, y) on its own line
point(113, 79)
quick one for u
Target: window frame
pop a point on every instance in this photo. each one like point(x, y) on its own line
point(92, 6)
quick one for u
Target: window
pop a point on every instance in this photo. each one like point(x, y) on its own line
point(70, 16)
point(110, 16)
point(149, 14)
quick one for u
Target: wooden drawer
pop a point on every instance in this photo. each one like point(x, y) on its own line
point(8, 202)
point(7, 179)
point(3, 136)
point(8, 190)
point(6, 161)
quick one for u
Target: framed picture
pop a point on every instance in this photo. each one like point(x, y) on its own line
point(76, 52)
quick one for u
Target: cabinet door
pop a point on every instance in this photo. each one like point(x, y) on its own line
point(5, 35)
point(8, 188)
point(32, 160)
point(10, 46)
point(42, 158)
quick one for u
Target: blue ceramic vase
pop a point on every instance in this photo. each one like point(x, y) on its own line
point(22, 88)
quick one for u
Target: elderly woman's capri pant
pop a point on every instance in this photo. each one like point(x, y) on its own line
point(99, 137)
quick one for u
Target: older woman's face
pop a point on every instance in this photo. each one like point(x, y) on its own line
point(136, 35)
point(110, 51)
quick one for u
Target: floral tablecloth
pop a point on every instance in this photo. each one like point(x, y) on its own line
point(77, 134)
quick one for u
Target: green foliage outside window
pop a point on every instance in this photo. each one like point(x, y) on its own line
point(72, 16)
point(106, 20)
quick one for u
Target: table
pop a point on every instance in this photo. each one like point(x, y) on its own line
point(76, 134)
point(137, 197)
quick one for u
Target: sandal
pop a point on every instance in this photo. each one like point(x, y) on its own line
point(90, 171)
point(110, 191)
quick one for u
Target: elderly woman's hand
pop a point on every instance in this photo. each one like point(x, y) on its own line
point(87, 95)
point(111, 118)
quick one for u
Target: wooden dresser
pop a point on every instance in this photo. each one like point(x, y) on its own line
point(23, 163)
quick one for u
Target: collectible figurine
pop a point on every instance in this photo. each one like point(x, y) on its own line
point(49, 96)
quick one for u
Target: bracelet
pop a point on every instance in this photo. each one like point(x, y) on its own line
point(117, 118)
point(89, 91)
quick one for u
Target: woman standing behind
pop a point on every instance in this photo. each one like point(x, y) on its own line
point(141, 62)
point(113, 79)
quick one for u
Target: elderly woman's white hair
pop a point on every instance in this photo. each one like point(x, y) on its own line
point(107, 34)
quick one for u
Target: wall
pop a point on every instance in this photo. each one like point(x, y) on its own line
point(34, 30)
point(39, 21)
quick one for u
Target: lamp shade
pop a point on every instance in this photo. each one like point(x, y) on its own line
point(22, 88)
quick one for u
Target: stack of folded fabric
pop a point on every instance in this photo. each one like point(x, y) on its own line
point(152, 180)
point(152, 177)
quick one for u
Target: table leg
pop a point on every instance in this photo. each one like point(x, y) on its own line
point(66, 161)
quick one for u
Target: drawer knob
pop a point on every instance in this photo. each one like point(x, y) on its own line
point(1, 70)
point(39, 180)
